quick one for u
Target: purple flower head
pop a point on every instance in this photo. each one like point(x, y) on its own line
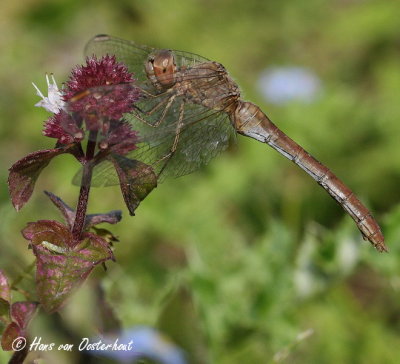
point(100, 90)
point(94, 98)
point(90, 105)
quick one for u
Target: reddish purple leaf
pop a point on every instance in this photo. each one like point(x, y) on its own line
point(95, 248)
point(60, 270)
point(64, 128)
point(11, 332)
point(22, 312)
point(48, 232)
point(111, 217)
point(137, 180)
point(25, 172)
point(66, 211)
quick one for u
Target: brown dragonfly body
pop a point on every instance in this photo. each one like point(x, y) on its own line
point(171, 81)
point(249, 120)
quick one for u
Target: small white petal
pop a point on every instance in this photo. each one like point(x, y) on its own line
point(54, 101)
point(54, 81)
point(38, 92)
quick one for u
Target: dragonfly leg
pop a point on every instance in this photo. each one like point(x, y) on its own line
point(174, 146)
point(154, 108)
point(168, 103)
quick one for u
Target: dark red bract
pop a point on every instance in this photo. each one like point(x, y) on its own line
point(64, 128)
point(120, 138)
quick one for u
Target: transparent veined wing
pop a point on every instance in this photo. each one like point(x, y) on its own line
point(133, 55)
point(203, 135)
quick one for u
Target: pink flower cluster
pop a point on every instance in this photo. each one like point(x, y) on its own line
point(95, 98)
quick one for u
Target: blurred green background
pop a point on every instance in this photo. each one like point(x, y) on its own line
point(235, 261)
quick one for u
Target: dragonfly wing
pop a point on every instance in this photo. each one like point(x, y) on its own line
point(203, 134)
point(200, 143)
point(133, 55)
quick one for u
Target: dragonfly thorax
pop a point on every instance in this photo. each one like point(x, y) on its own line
point(210, 85)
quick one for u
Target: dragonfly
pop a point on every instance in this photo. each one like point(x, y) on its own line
point(190, 110)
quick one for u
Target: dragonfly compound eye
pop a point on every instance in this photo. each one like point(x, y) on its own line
point(164, 68)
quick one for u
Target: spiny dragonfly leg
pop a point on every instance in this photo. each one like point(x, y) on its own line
point(176, 140)
point(154, 108)
point(168, 103)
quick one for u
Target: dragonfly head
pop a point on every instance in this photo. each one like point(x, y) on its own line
point(161, 68)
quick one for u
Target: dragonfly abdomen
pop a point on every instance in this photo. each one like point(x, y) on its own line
point(249, 120)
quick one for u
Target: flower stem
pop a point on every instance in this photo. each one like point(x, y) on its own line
point(81, 208)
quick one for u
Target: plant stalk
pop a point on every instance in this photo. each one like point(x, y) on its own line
point(81, 207)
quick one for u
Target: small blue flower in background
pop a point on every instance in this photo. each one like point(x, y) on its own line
point(279, 85)
point(146, 343)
